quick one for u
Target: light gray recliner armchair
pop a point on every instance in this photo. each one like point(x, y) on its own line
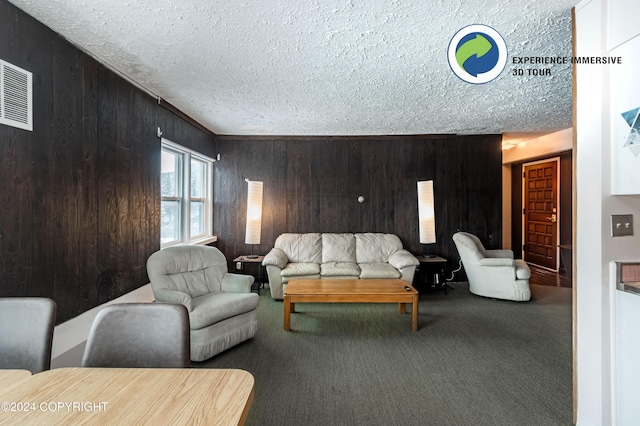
point(493, 273)
point(222, 309)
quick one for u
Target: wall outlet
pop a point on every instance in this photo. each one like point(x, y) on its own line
point(239, 266)
point(621, 225)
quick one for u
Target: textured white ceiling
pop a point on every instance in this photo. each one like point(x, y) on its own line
point(331, 67)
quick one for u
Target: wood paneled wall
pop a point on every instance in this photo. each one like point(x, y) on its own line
point(516, 210)
point(311, 184)
point(566, 207)
point(79, 196)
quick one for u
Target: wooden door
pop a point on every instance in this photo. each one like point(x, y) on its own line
point(541, 213)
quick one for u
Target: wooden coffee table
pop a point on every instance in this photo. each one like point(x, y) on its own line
point(351, 291)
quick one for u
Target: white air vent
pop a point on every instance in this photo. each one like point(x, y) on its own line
point(16, 97)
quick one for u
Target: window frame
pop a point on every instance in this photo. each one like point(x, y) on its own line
point(184, 195)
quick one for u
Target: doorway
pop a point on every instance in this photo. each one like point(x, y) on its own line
point(540, 213)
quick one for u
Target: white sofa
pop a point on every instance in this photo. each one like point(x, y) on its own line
point(493, 273)
point(337, 256)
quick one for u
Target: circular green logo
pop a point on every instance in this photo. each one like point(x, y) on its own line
point(477, 54)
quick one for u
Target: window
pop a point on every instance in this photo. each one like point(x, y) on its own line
point(185, 188)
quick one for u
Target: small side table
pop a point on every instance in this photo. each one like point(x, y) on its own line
point(432, 273)
point(245, 259)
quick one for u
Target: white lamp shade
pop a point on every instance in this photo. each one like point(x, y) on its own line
point(254, 213)
point(426, 212)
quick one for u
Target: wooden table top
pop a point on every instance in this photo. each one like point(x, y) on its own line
point(433, 259)
point(9, 379)
point(364, 286)
point(122, 396)
point(248, 259)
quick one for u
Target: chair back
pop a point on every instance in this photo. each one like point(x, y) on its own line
point(471, 252)
point(469, 247)
point(194, 270)
point(26, 333)
point(139, 335)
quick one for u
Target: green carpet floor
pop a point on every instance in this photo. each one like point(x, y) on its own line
point(474, 361)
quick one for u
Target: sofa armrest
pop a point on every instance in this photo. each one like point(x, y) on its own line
point(508, 254)
point(496, 261)
point(523, 272)
point(275, 282)
point(172, 296)
point(236, 283)
point(402, 258)
point(276, 257)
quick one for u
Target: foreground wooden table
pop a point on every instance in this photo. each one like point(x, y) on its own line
point(350, 291)
point(129, 396)
point(10, 379)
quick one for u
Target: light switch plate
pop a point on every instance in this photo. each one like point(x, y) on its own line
point(621, 225)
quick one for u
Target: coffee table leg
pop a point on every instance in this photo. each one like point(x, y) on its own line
point(402, 308)
point(287, 313)
point(414, 314)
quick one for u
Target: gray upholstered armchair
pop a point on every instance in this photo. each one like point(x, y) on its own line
point(26, 333)
point(222, 309)
point(139, 335)
point(493, 273)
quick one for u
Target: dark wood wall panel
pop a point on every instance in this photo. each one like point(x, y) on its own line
point(311, 184)
point(566, 206)
point(127, 151)
point(516, 209)
point(80, 195)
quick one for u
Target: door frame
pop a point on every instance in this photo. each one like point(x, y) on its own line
point(557, 191)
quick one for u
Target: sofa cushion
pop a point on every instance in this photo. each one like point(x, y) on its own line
point(378, 270)
point(338, 248)
point(214, 307)
point(337, 269)
point(376, 248)
point(301, 248)
point(295, 269)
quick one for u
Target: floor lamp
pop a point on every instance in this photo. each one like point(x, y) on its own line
point(254, 215)
point(426, 214)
